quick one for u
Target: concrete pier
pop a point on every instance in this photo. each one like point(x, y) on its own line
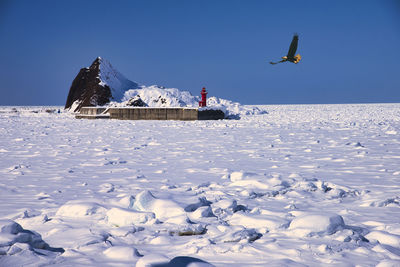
point(150, 113)
point(93, 113)
point(146, 113)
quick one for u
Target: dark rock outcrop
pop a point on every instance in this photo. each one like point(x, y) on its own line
point(86, 88)
point(136, 102)
point(97, 85)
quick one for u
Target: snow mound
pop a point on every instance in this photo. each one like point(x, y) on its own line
point(125, 217)
point(384, 238)
point(122, 253)
point(256, 181)
point(156, 96)
point(152, 259)
point(234, 108)
point(257, 221)
point(241, 175)
point(162, 208)
point(79, 208)
point(320, 224)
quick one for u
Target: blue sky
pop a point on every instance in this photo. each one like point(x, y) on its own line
point(349, 48)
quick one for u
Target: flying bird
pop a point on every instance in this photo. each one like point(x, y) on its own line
point(292, 50)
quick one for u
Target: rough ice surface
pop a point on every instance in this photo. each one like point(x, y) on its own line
point(301, 185)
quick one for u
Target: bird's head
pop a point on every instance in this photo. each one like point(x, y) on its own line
point(297, 58)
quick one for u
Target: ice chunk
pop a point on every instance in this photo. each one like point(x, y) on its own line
point(242, 235)
point(17, 247)
point(225, 204)
point(202, 202)
point(202, 212)
point(127, 201)
point(188, 229)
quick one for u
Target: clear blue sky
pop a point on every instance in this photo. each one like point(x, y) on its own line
point(349, 48)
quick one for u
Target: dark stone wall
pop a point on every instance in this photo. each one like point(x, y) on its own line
point(211, 114)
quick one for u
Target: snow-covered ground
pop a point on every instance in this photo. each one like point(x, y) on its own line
point(304, 185)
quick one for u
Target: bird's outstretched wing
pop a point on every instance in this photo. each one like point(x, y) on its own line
point(293, 46)
point(273, 63)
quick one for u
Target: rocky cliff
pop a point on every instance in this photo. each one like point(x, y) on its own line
point(97, 85)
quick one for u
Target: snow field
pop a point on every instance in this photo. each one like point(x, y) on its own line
point(302, 185)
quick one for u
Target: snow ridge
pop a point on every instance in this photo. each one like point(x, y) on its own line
point(117, 82)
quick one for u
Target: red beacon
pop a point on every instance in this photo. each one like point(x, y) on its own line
point(203, 102)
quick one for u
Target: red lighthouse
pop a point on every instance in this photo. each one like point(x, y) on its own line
point(203, 102)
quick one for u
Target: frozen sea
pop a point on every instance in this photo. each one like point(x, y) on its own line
point(304, 185)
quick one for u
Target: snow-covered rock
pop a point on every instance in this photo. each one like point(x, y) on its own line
point(97, 85)
point(117, 82)
point(319, 224)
